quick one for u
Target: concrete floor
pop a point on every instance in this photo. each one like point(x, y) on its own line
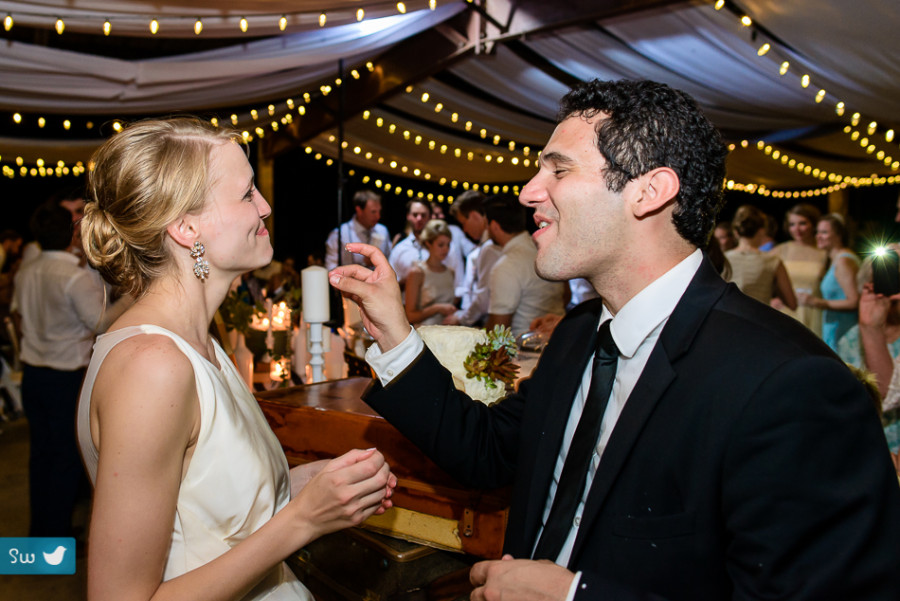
point(14, 522)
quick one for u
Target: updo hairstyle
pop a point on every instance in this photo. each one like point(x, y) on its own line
point(748, 220)
point(142, 180)
point(433, 229)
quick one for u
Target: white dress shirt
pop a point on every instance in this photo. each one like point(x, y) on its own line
point(476, 299)
point(354, 231)
point(62, 307)
point(515, 288)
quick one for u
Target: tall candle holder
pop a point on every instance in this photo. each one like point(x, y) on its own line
point(316, 312)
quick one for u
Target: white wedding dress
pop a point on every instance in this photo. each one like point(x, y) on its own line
point(237, 478)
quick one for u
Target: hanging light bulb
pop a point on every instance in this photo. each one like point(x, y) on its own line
point(872, 127)
point(360, 14)
point(839, 109)
point(198, 26)
point(8, 22)
point(804, 81)
point(401, 8)
point(784, 68)
point(41, 122)
point(719, 4)
point(764, 49)
point(322, 19)
point(68, 124)
point(60, 26)
point(244, 25)
point(17, 118)
point(432, 4)
point(746, 21)
point(282, 23)
point(107, 27)
point(154, 26)
point(820, 95)
point(889, 135)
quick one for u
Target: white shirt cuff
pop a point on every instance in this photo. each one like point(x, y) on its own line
point(573, 587)
point(390, 364)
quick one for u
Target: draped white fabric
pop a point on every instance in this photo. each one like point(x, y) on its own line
point(847, 49)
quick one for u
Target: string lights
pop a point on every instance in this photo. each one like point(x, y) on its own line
point(176, 25)
point(805, 81)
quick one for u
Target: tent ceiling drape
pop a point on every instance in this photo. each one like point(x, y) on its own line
point(508, 64)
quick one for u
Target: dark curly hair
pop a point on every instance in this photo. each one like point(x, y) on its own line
point(650, 125)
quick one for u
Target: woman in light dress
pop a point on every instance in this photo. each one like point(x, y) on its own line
point(839, 296)
point(804, 261)
point(193, 498)
point(429, 285)
point(758, 274)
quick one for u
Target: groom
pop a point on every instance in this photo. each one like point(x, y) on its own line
point(714, 450)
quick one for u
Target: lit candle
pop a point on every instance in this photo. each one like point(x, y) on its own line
point(314, 280)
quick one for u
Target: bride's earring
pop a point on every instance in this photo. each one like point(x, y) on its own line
point(201, 265)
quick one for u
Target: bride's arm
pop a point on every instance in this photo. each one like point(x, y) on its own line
point(147, 422)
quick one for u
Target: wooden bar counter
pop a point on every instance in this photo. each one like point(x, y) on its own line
point(321, 421)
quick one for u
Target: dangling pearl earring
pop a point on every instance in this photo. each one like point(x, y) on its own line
point(201, 265)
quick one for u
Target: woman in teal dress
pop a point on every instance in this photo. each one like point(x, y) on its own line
point(840, 297)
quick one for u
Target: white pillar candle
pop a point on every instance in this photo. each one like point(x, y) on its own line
point(314, 281)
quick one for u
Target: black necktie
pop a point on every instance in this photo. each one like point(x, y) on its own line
point(578, 460)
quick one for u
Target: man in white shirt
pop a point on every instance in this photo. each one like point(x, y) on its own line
point(468, 209)
point(517, 294)
point(409, 250)
point(363, 227)
point(59, 306)
point(731, 455)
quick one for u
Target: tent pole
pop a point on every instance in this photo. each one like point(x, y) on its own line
point(340, 140)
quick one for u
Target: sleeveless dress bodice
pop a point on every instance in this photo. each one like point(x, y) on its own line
point(237, 478)
point(836, 323)
point(437, 287)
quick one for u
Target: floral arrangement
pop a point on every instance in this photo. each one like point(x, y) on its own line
point(480, 362)
point(492, 361)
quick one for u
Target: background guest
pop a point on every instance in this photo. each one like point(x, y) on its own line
point(517, 294)
point(725, 235)
point(362, 227)
point(429, 285)
point(804, 261)
point(460, 248)
point(58, 306)
point(469, 211)
point(410, 249)
point(758, 274)
point(839, 296)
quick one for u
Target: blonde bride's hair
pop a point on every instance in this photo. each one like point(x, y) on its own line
point(141, 181)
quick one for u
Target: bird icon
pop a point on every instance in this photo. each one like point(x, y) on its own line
point(55, 558)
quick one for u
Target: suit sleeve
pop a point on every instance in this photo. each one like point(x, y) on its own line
point(809, 495)
point(472, 442)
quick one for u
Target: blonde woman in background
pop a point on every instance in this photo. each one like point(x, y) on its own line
point(758, 274)
point(839, 295)
point(430, 283)
point(804, 261)
point(193, 498)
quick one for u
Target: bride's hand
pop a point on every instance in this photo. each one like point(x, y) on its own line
point(344, 493)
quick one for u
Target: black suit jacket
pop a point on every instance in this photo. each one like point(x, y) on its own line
point(747, 463)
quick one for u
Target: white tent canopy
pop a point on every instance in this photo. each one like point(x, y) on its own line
point(509, 64)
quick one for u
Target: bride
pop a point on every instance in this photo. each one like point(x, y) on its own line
point(193, 498)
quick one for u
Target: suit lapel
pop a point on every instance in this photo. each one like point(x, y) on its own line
point(675, 340)
point(564, 373)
